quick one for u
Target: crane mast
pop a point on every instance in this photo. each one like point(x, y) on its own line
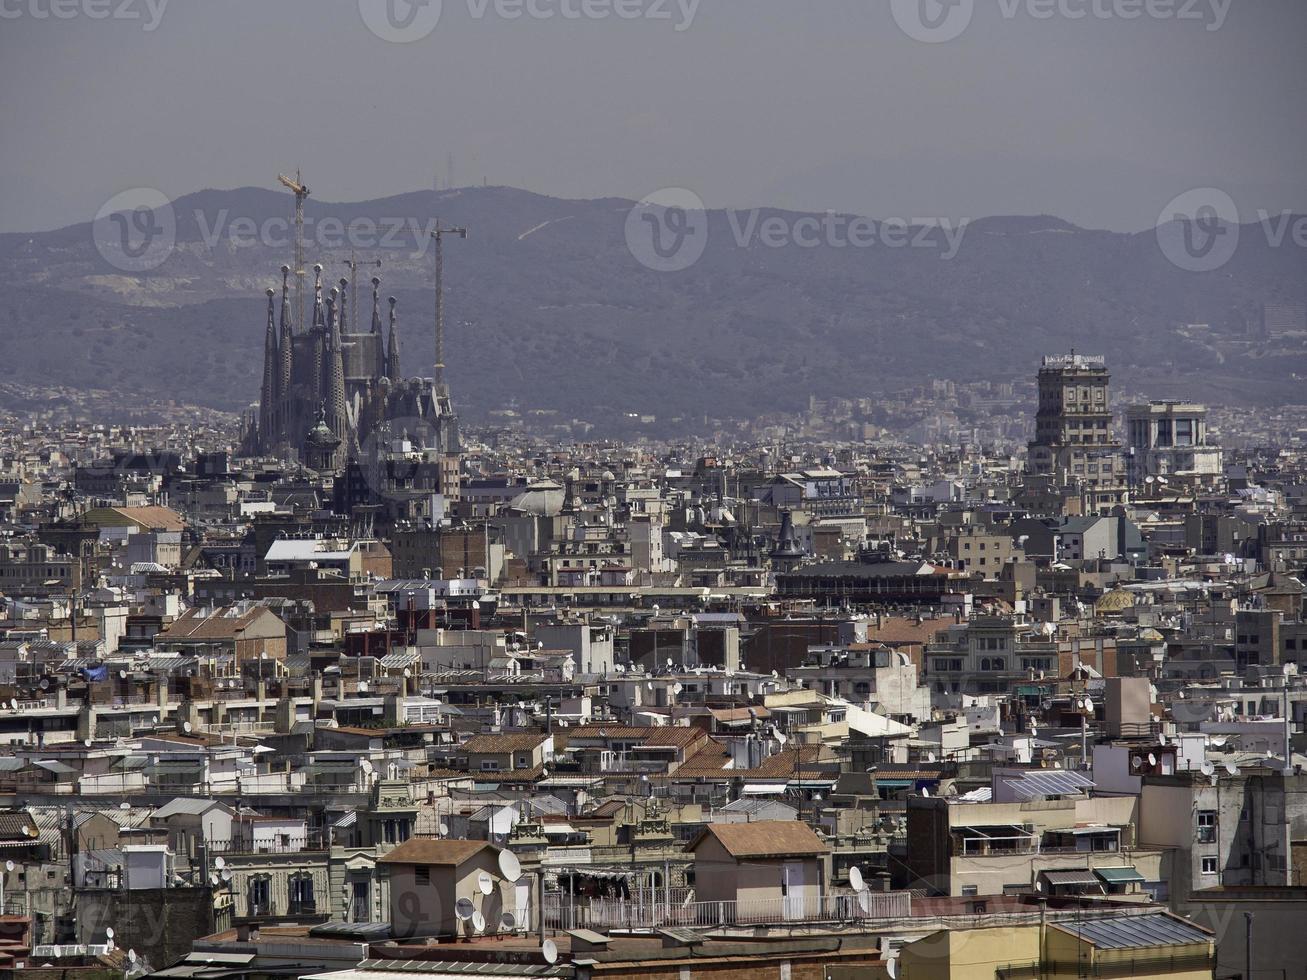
point(300, 192)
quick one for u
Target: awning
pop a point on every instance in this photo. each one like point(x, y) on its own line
point(763, 789)
point(1118, 876)
point(1082, 876)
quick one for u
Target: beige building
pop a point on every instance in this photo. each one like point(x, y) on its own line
point(777, 867)
point(430, 878)
point(1148, 946)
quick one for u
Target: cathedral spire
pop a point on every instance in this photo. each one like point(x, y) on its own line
point(317, 297)
point(269, 394)
point(392, 352)
point(337, 419)
point(344, 305)
point(376, 308)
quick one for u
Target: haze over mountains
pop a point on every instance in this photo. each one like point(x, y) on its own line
point(547, 305)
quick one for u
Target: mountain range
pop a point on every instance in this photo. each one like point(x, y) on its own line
point(548, 307)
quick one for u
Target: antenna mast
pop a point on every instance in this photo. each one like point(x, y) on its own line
point(300, 192)
point(439, 235)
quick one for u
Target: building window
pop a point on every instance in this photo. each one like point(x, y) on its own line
point(1209, 865)
point(1206, 826)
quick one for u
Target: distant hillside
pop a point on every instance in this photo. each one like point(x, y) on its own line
point(547, 305)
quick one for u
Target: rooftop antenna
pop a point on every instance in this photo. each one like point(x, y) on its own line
point(439, 235)
point(300, 192)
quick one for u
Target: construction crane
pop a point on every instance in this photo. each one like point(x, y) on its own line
point(439, 235)
point(300, 192)
point(353, 264)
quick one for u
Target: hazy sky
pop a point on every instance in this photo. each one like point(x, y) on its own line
point(1071, 107)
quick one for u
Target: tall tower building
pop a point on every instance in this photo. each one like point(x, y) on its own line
point(1074, 443)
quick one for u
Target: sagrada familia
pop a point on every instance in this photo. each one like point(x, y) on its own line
point(331, 397)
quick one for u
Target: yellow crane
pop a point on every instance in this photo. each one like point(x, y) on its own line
point(301, 192)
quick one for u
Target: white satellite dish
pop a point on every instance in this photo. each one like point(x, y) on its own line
point(509, 866)
point(124, 805)
point(122, 674)
point(930, 756)
point(220, 862)
point(864, 901)
point(478, 921)
point(463, 909)
point(226, 874)
point(1152, 759)
point(1207, 768)
point(925, 791)
point(485, 883)
point(855, 879)
point(892, 968)
point(507, 922)
point(186, 727)
point(781, 737)
point(1232, 769)
point(669, 662)
point(444, 829)
point(549, 949)
point(13, 703)
point(213, 879)
point(131, 956)
point(677, 688)
point(109, 932)
point(9, 865)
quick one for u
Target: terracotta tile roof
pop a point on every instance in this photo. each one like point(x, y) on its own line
point(430, 850)
point(498, 743)
point(194, 624)
point(764, 839)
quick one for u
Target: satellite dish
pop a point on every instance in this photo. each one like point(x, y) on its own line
point(186, 727)
point(9, 865)
point(45, 684)
point(131, 956)
point(1232, 769)
point(781, 737)
point(925, 791)
point(87, 742)
point(774, 675)
point(444, 829)
point(669, 662)
point(109, 932)
point(507, 922)
point(930, 756)
point(485, 883)
point(122, 674)
point(407, 672)
point(864, 901)
point(226, 874)
point(463, 909)
point(677, 688)
point(509, 866)
point(549, 949)
point(13, 703)
point(1152, 759)
point(478, 921)
point(1207, 768)
point(124, 805)
point(892, 968)
point(855, 879)
point(213, 879)
point(220, 862)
